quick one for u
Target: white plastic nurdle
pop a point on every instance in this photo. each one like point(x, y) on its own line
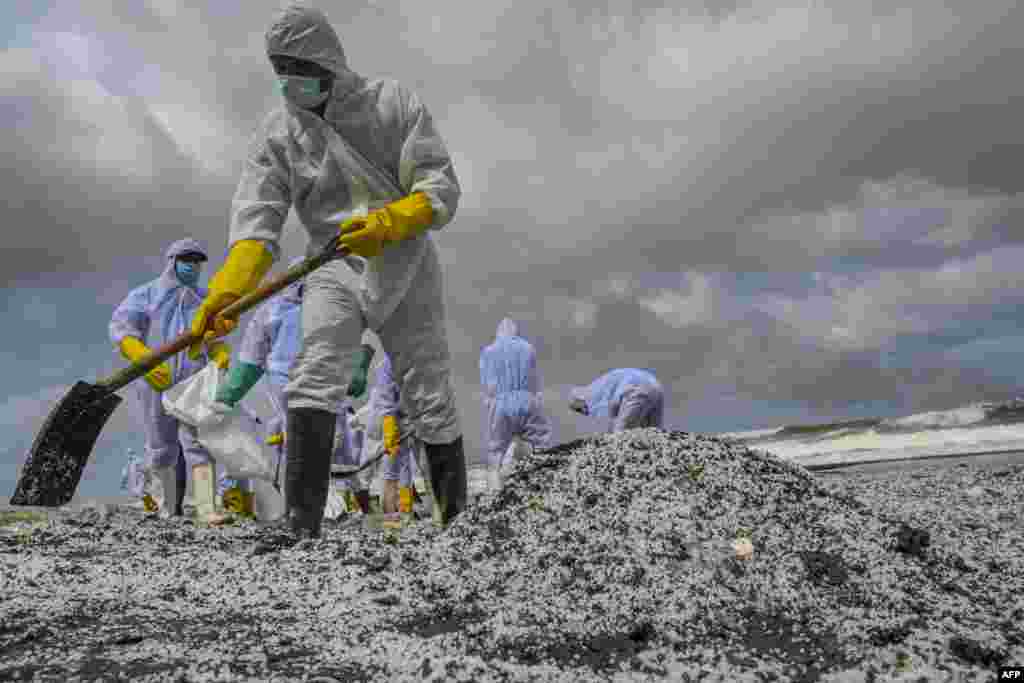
point(623, 564)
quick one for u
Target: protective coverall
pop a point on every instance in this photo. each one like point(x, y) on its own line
point(398, 470)
point(133, 475)
point(356, 487)
point(156, 313)
point(627, 397)
point(369, 440)
point(369, 144)
point(512, 398)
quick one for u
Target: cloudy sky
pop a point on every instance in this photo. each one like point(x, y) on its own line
point(790, 212)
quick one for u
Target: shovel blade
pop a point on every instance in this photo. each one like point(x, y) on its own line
point(54, 465)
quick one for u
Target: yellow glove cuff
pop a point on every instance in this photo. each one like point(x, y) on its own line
point(405, 499)
point(219, 347)
point(133, 349)
point(246, 264)
point(220, 353)
point(408, 217)
point(389, 425)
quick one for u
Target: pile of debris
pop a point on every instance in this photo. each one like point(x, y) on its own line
point(629, 556)
point(633, 551)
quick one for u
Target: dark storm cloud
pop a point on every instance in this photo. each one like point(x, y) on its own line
point(857, 159)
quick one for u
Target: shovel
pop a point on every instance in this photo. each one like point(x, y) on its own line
point(54, 465)
point(343, 472)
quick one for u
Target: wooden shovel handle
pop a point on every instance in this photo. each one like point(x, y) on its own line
point(122, 378)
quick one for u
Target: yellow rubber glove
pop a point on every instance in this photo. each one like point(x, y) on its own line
point(159, 377)
point(249, 504)
point(220, 353)
point(238, 502)
point(275, 439)
point(405, 499)
point(367, 236)
point(389, 425)
point(233, 501)
point(246, 264)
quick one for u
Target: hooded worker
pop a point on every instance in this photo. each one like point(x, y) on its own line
point(347, 451)
point(271, 342)
point(512, 398)
point(360, 161)
point(368, 439)
point(133, 476)
point(627, 397)
point(398, 468)
point(355, 484)
point(151, 316)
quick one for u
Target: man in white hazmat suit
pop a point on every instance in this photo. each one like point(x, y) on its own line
point(361, 158)
point(512, 400)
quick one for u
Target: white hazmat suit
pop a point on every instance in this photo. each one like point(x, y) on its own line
point(375, 144)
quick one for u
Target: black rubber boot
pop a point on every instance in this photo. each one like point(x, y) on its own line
point(310, 442)
point(308, 475)
point(417, 504)
point(363, 499)
point(447, 464)
point(181, 475)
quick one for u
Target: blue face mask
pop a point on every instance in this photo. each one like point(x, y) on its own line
point(302, 91)
point(187, 272)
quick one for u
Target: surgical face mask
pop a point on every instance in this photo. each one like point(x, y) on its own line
point(187, 272)
point(302, 91)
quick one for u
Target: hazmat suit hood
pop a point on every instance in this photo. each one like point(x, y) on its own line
point(507, 328)
point(176, 249)
point(302, 31)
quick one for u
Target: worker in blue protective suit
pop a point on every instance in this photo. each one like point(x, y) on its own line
point(357, 486)
point(627, 397)
point(271, 342)
point(347, 451)
point(368, 441)
point(359, 161)
point(151, 316)
point(398, 467)
point(513, 406)
point(133, 476)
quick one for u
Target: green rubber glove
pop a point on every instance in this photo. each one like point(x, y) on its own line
point(240, 380)
point(357, 386)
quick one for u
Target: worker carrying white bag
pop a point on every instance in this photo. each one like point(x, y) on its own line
point(235, 438)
